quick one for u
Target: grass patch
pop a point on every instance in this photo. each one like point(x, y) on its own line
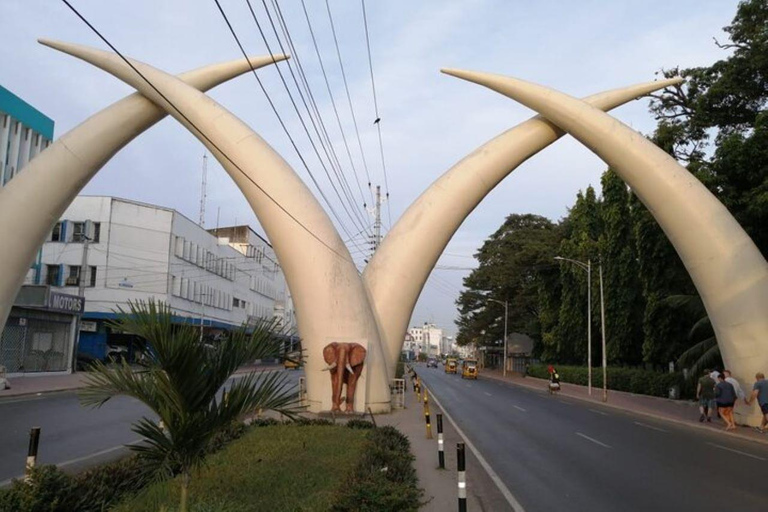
point(281, 467)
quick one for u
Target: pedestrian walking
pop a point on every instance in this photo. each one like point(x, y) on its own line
point(725, 396)
point(760, 392)
point(705, 393)
point(735, 383)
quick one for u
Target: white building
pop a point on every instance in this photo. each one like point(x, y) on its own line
point(140, 251)
point(428, 339)
point(24, 132)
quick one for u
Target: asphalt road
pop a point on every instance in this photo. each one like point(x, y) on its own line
point(556, 453)
point(72, 436)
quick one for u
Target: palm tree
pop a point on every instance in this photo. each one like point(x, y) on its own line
point(179, 381)
point(705, 352)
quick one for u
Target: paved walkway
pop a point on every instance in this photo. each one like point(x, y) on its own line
point(32, 384)
point(684, 412)
point(441, 485)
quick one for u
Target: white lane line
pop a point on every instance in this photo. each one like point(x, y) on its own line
point(487, 467)
point(645, 425)
point(518, 408)
point(97, 454)
point(599, 412)
point(592, 439)
point(488, 394)
point(736, 451)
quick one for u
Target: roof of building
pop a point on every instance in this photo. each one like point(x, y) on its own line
point(25, 113)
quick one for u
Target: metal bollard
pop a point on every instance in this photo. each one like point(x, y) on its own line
point(440, 448)
point(426, 415)
point(461, 466)
point(34, 442)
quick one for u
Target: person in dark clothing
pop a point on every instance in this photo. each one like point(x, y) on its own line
point(705, 393)
point(725, 396)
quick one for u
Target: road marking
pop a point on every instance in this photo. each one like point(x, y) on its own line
point(592, 439)
point(488, 394)
point(97, 454)
point(599, 412)
point(518, 408)
point(487, 467)
point(736, 451)
point(650, 427)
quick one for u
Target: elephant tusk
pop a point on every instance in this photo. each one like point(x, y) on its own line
point(349, 368)
point(330, 367)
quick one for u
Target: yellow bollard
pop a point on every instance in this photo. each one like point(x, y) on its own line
point(426, 414)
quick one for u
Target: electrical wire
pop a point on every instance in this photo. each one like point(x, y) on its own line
point(202, 134)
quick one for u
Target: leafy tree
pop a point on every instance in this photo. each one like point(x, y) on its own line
point(509, 264)
point(624, 302)
point(180, 381)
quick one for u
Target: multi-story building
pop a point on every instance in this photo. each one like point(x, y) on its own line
point(138, 251)
point(24, 132)
point(428, 339)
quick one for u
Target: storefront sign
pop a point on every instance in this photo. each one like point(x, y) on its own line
point(86, 326)
point(66, 303)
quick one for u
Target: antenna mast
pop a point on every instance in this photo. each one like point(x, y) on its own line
point(203, 190)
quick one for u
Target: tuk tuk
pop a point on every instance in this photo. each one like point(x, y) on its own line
point(469, 369)
point(450, 365)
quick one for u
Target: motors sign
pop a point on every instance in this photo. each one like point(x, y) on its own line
point(66, 303)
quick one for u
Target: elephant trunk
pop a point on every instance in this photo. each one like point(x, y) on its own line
point(341, 368)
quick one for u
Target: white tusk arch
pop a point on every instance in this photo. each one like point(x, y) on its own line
point(331, 302)
point(52, 180)
point(395, 276)
point(727, 268)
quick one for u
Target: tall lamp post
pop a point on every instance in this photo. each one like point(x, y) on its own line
point(588, 268)
point(506, 317)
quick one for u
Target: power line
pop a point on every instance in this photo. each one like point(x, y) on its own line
point(285, 128)
point(202, 134)
point(333, 102)
point(347, 192)
point(349, 97)
point(377, 121)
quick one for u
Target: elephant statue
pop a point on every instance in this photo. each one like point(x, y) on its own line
point(345, 362)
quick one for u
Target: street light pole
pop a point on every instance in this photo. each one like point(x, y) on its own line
point(588, 267)
point(506, 319)
point(602, 329)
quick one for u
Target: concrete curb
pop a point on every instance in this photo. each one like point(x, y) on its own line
point(634, 411)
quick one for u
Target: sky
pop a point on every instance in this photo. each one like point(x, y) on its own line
point(429, 121)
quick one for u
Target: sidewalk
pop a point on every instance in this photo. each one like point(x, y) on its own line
point(441, 485)
point(683, 412)
point(32, 384)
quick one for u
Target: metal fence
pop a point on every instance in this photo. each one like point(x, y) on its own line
point(397, 389)
point(37, 346)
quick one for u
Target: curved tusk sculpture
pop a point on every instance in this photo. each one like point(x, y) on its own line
point(394, 276)
point(52, 180)
point(331, 302)
point(727, 268)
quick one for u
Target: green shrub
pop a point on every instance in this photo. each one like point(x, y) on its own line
point(265, 422)
point(48, 490)
point(358, 423)
point(632, 380)
point(384, 479)
point(399, 370)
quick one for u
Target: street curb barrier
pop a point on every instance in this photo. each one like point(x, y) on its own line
point(462, 476)
point(426, 414)
point(34, 443)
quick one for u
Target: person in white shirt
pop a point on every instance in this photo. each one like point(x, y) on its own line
point(728, 378)
point(713, 375)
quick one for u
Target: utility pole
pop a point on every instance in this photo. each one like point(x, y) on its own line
point(602, 328)
point(81, 284)
point(203, 192)
point(588, 268)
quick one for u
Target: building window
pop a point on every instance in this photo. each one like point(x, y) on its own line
point(52, 275)
point(74, 276)
point(96, 232)
point(78, 231)
point(56, 233)
point(92, 277)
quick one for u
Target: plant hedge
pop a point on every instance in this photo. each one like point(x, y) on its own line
point(384, 479)
point(632, 380)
